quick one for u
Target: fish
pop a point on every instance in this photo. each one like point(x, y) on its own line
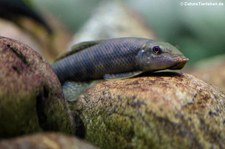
point(117, 58)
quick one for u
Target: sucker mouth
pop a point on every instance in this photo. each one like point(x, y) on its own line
point(180, 62)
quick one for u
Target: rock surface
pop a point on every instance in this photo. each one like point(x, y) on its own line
point(45, 141)
point(31, 99)
point(164, 110)
point(212, 71)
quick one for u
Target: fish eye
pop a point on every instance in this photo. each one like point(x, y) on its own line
point(157, 50)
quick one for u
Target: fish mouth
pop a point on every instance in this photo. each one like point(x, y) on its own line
point(180, 62)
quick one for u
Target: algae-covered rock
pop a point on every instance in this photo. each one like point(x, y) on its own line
point(45, 141)
point(30, 94)
point(164, 110)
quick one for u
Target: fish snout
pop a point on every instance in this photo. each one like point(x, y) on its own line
point(179, 62)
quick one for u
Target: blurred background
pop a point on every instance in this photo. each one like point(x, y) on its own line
point(198, 31)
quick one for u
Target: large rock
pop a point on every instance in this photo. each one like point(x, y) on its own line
point(31, 99)
point(165, 110)
point(45, 141)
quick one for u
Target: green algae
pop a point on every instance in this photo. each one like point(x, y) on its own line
point(18, 115)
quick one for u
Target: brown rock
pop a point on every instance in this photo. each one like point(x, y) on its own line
point(212, 71)
point(34, 35)
point(165, 110)
point(30, 94)
point(45, 141)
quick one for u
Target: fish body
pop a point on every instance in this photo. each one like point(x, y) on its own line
point(117, 58)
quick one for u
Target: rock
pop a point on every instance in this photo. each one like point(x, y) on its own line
point(32, 34)
point(212, 71)
point(45, 141)
point(113, 19)
point(31, 99)
point(164, 110)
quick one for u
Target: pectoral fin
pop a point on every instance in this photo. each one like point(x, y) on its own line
point(72, 90)
point(121, 75)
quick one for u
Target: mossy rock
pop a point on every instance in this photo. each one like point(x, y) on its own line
point(45, 141)
point(165, 110)
point(31, 99)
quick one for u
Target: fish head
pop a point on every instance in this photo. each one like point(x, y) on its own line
point(156, 55)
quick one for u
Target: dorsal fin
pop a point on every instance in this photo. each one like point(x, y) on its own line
point(78, 47)
point(83, 45)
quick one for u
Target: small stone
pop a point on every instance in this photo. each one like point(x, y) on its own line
point(45, 141)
